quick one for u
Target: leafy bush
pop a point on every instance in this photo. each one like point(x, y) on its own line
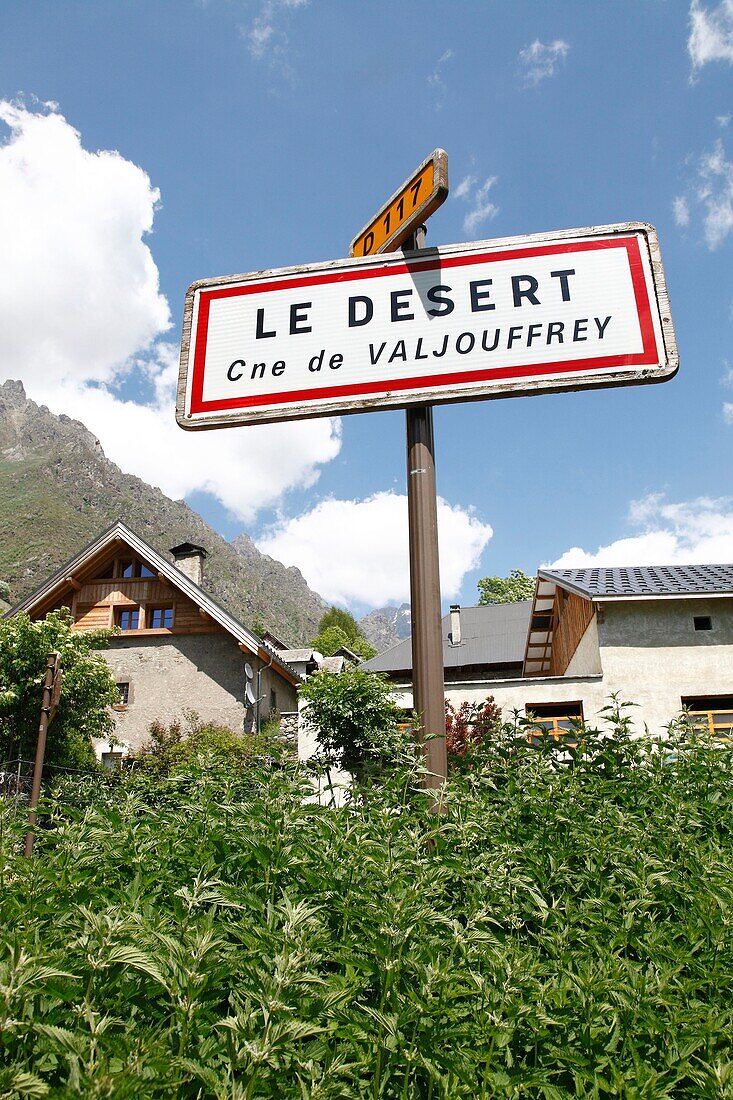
point(467, 728)
point(558, 932)
point(355, 720)
point(188, 743)
point(87, 689)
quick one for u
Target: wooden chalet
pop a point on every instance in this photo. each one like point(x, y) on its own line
point(175, 648)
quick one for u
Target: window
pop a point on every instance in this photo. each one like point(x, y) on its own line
point(703, 622)
point(160, 618)
point(124, 690)
point(273, 701)
point(712, 714)
point(556, 720)
point(112, 761)
point(129, 569)
point(127, 618)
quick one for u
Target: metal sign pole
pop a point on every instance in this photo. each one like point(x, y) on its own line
point(427, 642)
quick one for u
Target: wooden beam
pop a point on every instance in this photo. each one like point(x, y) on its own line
point(205, 616)
point(75, 584)
point(163, 579)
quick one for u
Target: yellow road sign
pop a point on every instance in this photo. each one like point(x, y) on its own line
point(417, 198)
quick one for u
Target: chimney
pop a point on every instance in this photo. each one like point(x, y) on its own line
point(189, 558)
point(455, 624)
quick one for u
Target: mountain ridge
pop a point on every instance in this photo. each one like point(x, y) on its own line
point(386, 626)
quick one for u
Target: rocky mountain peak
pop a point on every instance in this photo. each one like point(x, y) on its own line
point(58, 491)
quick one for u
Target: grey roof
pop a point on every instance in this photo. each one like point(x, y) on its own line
point(494, 634)
point(297, 656)
point(647, 580)
point(333, 664)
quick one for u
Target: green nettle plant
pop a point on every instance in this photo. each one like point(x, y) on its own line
point(88, 689)
point(562, 930)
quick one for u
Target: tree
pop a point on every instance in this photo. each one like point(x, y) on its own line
point(87, 689)
point(517, 586)
point(331, 639)
point(339, 628)
point(354, 718)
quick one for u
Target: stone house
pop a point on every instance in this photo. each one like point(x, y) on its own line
point(660, 637)
point(176, 648)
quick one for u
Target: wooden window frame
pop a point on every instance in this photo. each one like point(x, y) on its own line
point(559, 734)
point(150, 616)
point(123, 609)
point(705, 714)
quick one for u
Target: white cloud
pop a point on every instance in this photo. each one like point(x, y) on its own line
point(681, 211)
point(436, 79)
point(728, 412)
point(716, 193)
point(464, 188)
point(711, 33)
point(710, 194)
point(80, 288)
point(690, 532)
point(356, 551)
point(265, 37)
point(482, 208)
point(81, 314)
point(541, 59)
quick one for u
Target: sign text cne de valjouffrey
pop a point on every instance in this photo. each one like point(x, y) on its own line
point(556, 311)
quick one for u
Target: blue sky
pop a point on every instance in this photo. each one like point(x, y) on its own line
point(145, 145)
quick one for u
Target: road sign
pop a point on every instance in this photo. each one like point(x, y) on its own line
point(501, 318)
point(413, 202)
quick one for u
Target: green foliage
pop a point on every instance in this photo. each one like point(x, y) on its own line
point(87, 691)
point(344, 620)
point(339, 628)
point(4, 591)
point(329, 640)
point(517, 586)
point(188, 744)
point(562, 930)
point(258, 627)
point(355, 719)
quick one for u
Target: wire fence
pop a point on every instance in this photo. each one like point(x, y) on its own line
point(16, 776)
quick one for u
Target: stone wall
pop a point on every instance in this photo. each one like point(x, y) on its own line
point(171, 674)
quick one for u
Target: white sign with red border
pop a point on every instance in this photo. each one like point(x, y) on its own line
point(500, 318)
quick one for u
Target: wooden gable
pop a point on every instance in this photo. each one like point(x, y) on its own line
point(118, 587)
point(558, 621)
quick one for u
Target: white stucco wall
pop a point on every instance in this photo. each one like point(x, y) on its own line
point(652, 654)
point(586, 661)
